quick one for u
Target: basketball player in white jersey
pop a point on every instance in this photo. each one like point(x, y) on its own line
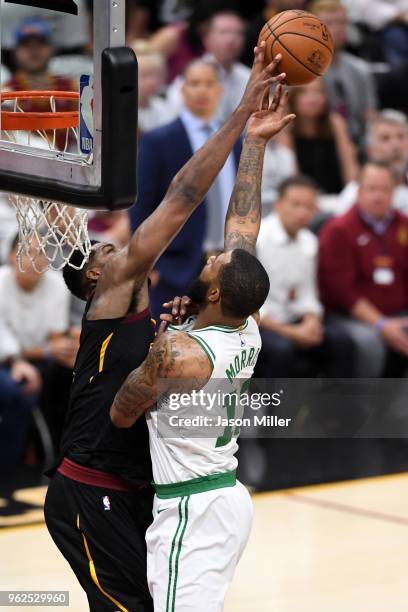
point(202, 514)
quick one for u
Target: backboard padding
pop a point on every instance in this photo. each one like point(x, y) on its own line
point(65, 6)
point(106, 177)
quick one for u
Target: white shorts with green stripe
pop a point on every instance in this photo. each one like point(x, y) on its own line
point(193, 547)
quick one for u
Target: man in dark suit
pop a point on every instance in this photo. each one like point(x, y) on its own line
point(163, 152)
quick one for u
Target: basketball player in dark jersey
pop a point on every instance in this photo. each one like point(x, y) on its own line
point(99, 502)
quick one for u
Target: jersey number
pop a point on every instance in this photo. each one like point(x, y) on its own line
point(231, 405)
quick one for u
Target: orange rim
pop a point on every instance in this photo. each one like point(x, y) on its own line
point(28, 122)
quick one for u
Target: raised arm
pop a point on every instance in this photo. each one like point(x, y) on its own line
point(191, 184)
point(244, 213)
point(175, 362)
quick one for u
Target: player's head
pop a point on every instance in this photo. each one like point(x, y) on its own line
point(235, 284)
point(82, 283)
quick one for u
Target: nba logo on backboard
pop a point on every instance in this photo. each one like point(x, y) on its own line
point(106, 503)
point(86, 128)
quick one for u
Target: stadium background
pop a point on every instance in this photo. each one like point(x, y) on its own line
point(39, 321)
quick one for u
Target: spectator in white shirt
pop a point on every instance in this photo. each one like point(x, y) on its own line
point(35, 309)
point(387, 142)
point(292, 325)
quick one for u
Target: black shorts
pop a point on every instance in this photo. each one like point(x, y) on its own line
point(101, 533)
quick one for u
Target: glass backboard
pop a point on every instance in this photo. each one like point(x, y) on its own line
point(74, 50)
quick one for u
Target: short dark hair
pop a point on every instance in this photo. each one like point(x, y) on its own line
point(73, 276)
point(244, 285)
point(299, 180)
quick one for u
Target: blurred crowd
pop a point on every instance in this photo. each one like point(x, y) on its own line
point(334, 236)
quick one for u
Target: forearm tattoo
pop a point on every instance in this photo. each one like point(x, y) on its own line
point(139, 391)
point(244, 212)
point(174, 356)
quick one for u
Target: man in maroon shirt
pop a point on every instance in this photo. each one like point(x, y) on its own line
point(363, 272)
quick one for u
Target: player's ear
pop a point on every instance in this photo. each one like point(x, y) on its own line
point(214, 295)
point(92, 274)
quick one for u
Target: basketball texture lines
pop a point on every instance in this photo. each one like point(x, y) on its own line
point(305, 43)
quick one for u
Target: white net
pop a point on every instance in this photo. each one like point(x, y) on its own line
point(49, 232)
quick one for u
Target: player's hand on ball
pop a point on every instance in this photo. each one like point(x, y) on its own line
point(268, 122)
point(261, 79)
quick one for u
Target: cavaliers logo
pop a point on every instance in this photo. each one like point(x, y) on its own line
point(317, 60)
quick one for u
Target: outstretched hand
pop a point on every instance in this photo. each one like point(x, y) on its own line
point(261, 79)
point(271, 120)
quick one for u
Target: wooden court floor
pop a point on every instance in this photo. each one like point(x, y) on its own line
point(330, 548)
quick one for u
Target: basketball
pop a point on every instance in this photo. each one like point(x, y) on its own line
point(304, 41)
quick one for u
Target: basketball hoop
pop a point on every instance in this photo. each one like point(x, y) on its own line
point(49, 232)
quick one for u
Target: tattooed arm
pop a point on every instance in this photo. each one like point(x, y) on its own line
point(244, 212)
point(176, 363)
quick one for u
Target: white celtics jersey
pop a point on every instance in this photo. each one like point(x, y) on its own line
point(184, 449)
